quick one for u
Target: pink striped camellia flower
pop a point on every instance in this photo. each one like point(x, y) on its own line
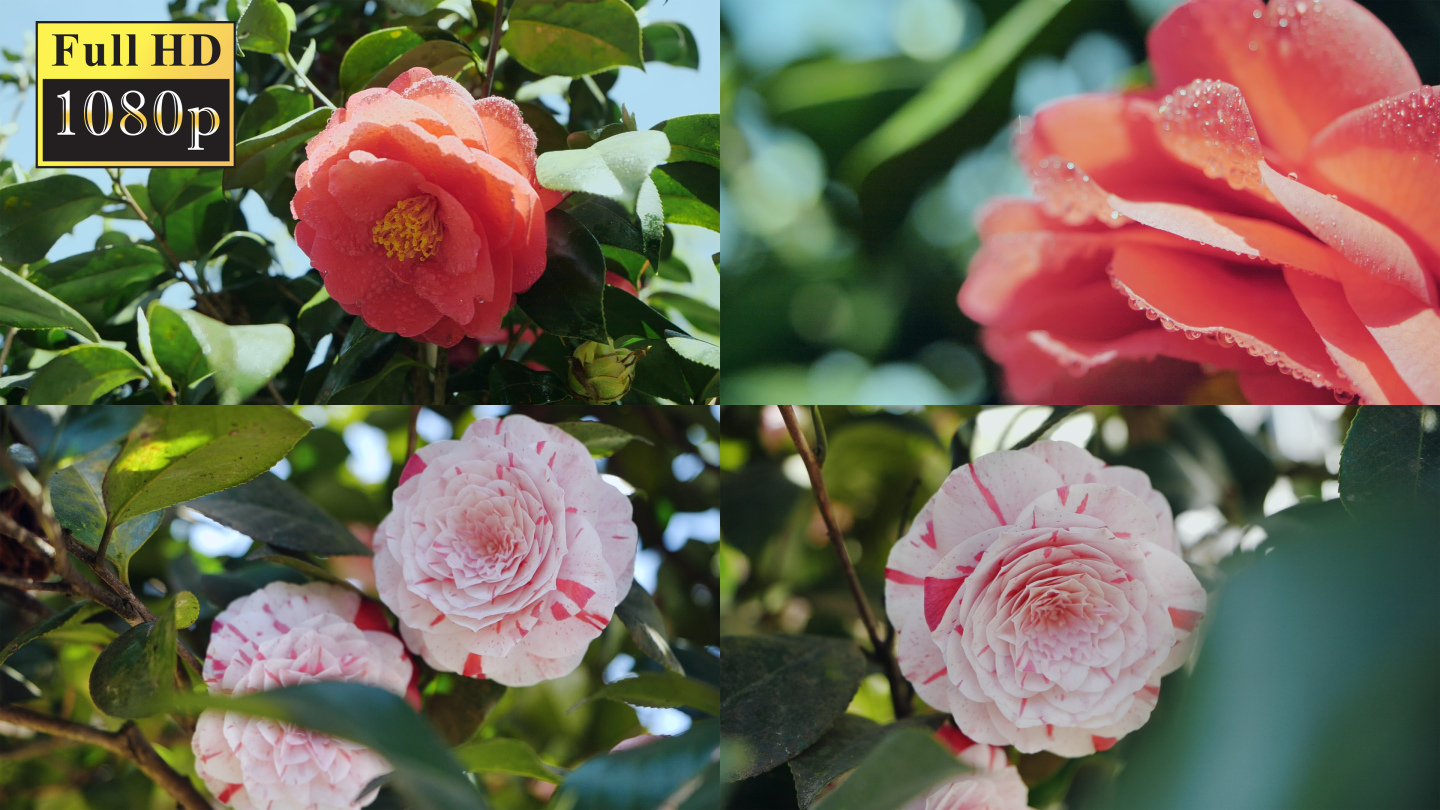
point(419, 206)
point(506, 552)
point(1039, 598)
point(993, 784)
point(286, 635)
point(1267, 211)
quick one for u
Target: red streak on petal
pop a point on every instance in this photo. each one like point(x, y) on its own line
point(512, 459)
point(1049, 731)
point(933, 677)
point(929, 535)
point(1064, 493)
point(965, 570)
point(1154, 690)
point(1184, 619)
point(1102, 743)
point(414, 467)
point(960, 629)
point(558, 611)
point(902, 578)
point(497, 427)
point(989, 498)
point(987, 649)
point(473, 667)
point(499, 471)
point(540, 447)
point(939, 593)
point(1047, 551)
point(371, 616)
point(953, 737)
point(1083, 501)
point(598, 622)
point(229, 791)
point(1023, 701)
point(438, 619)
point(281, 626)
point(1123, 535)
point(570, 510)
point(577, 592)
point(427, 581)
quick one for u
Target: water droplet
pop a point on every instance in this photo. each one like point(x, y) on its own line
point(1284, 22)
point(1293, 176)
point(1254, 46)
point(1258, 13)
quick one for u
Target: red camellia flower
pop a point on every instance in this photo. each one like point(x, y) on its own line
point(1268, 210)
point(419, 206)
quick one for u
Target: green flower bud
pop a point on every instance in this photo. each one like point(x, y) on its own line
point(601, 373)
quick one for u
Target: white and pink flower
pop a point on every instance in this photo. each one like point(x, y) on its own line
point(506, 552)
point(286, 635)
point(1040, 597)
point(992, 784)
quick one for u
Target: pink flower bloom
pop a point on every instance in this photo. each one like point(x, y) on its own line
point(994, 784)
point(1267, 211)
point(506, 553)
point(419, 206)
point(285, 635)
point(1039, 599)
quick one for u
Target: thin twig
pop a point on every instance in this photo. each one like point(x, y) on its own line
point(489, 79)
point(200, 300)
point(410, 436)
point(128, 742)
point(1059, 413)
point(31, 585)
point(822, 499)
point(289, 62)
point(5, 350)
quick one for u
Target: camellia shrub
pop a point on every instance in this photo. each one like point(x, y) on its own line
point(346, 607)
point(1106, 608)
point(477, 212)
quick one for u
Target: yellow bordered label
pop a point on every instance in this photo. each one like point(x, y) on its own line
point(135, 94)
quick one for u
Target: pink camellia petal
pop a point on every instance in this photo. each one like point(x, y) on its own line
point(453, 104)
point(1300, 64)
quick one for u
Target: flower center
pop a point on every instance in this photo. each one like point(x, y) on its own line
point(411, 229)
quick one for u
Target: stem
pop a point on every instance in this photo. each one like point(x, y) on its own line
point(128, 742)
point(410, 437)
point(1059, 413)
point(898, 685)
point(31, 585)
point(442, 374)
point(200, 300)
point(294, 68)
point(5, 350)
point(489, 80)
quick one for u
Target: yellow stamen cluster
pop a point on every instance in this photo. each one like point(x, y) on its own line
point(410, 230)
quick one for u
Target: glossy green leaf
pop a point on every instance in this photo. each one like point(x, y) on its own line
point(705, 317)
point(690, 194)
point(644, 777)
point(693, 138)
point(35, 214)
point(458, 705)
point(43, 627)
point(513, 383)
point(442, 57)
point(706, 354)
point(902, 766)
point(616, 167)
point(264, 27)
point(77, 494)
point(311, 571)
point(780, 694)
point(61, 433)
point(670, 42)
point(101, 281)
point(953, 91)
point(835, 754)
point(600, 439)
point(662, 690)
point(256, 158)
point(1391, 461)
point(26, 306)
point(243, 358)
point(173, 188)
point(606, 220)
point(172, 348)
point(135, 676)
point(79, 629)
point(372, 53)
point(426, 775)
point(505, 755)
point(187, 609)
point(179, 454)
point(273, 107)
point(272, 511)
point(363, 354)
point(82, 374)
point(645, 621)
point(567, 299)
point(573, 37)
point(193, 230)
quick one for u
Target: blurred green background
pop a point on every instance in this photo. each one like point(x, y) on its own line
point(844, 293)
point(1317, 683)
point(349, 465)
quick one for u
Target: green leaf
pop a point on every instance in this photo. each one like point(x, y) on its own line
point(458, 705)
point(661, 690)
point(310, 570)
point(174, 188)
point(26, 306)
point(179, 454)
point(426, 774)
point(904, 765)
point(505, 755)
point(1391, 461)
point(693, 138)
point(442, 57)
point(193, 230)
point(670, 42)
point(412, 7)
point(600, 439)
point(627, 315)
point(82, 374)
point(169, 343)
point(385, 388)
point(264, 27)
point(135, 676)
point(61, 433)
point(272, 511)
point(363, 354)
point(513, 383)
point(573, 37)
point(102, 281)
point(690, 194)
point(644, 777)
point(780, 694)
point(606, 220)
point(615, 167)
point(78, 629)
point(256, 158)
point(645, 621)
point(706, 354)
point(372, 53)
point(187, 609)
point(835, 754)
point(43, 627)
point(243, 358)
point(77, 494)
point(568, 299)
point(33, 215)
point(953, 91)
point(273, 107)
point(704, 317)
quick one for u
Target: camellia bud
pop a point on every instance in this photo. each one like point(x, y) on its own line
point(601, 373)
